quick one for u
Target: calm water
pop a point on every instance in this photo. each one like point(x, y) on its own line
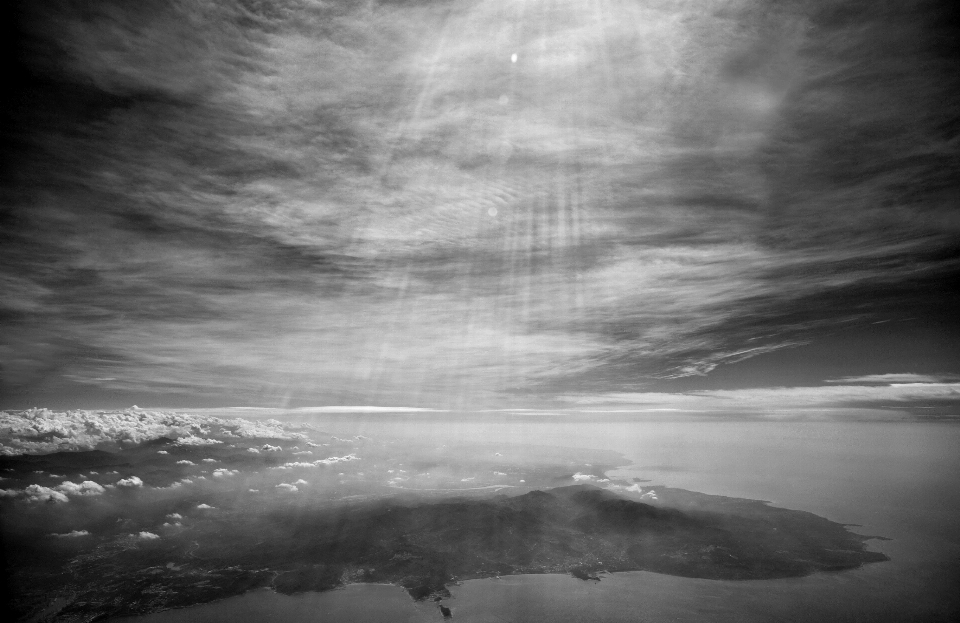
point(893, 479)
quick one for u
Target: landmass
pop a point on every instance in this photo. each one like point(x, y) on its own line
point(170, 524)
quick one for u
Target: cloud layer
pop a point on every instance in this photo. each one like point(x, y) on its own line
point(452, 204)
point(40, 431)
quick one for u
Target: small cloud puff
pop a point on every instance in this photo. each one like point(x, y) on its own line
point(205, 506)
point(177, 516)
point(87, 487)
point(132, 481)
point(220, 473)
point(162, 452)
point(337, 459)
point(287, 487)
point(210, 461)
point(72, 534)
point(303, 452)
point(149, 536)
point(301, 482)
point(36, 493)
point(196, 441)
point(185, 462)
point(253, 450)
point(268, 448)
point(583, 477)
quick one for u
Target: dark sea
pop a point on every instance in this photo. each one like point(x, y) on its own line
point(896, 480)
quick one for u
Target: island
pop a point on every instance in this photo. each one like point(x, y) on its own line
point(169, 523)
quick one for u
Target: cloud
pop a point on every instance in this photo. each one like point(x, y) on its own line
point(185, 462)
point(220, 473)
point(583, 477)
point(37, 493)
point(175, 516)
point(263, 228)
point(301, 481)
point(87, 487)
point(148, 536)
point(897, 378)
point(287, 487)
point(857, 401)
point(72, 534)
point(336, 459)
point(131, 482)
point(205, 506)
point(268, 448)
point(210, 460)
point(197, 441)
point(45, 431)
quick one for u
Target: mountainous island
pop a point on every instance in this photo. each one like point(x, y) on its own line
point(173, 522)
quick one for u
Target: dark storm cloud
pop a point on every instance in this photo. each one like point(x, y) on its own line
point(444, 202)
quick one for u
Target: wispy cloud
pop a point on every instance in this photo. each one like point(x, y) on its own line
point(834, 401)
point(307, 202)
point(898, 378)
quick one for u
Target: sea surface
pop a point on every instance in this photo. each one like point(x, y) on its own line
point(896, 480)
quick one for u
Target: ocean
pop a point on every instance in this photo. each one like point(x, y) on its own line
point(892, 479)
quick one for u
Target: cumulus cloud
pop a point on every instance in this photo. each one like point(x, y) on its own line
point(253, 450)
point(44, 430)
point(205, 506)
point(87, 487)
point(37, 493)
point(287, 487)
point(197, 441)
point(175, 516)
point(336, 459)
point(210, 461)
point(162, 452)
point(185, 462)
point(131, 482)
point(583, 477)
point(222, 472)
point(72, 534)
point(268, 448)
point(148, 536)
point(301, 481)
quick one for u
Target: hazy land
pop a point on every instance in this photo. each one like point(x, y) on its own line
point(203, 514)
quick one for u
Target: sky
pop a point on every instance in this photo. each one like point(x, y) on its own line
point(702, 206)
